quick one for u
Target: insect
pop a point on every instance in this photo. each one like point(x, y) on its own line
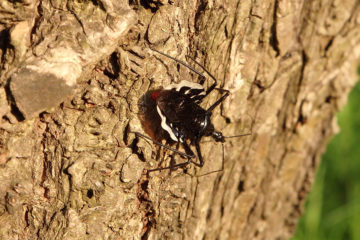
point(182, 117)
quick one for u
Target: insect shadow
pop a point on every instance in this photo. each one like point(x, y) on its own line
point(174, 113)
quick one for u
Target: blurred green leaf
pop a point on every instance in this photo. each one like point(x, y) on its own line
point(332, 210)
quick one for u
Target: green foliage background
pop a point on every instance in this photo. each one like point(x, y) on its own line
point(332, 210)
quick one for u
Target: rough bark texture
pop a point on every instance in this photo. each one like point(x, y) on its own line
point(73, 74)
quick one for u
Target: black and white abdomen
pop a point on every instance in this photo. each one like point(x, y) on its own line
point(179, 110)
point(172, 130)
point(192, 90)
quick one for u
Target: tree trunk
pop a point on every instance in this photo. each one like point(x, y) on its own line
point(73, 79)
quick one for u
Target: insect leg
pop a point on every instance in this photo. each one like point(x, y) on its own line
point(227, 92)
point(175, 166)
point(222, 164)
point(163, 145)
point(212, 87)
point(189, 156)
point(198, 150)
point(170, 167)
point(182, 63)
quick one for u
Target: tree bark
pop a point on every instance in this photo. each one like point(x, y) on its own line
point(73, 79)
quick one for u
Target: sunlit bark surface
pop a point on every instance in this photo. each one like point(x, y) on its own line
point(72, 84)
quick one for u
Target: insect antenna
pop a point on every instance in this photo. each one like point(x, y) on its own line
point(223, 153)
point(243, 134)
point(240, 135)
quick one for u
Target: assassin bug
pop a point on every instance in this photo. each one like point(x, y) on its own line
point(182, 117)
